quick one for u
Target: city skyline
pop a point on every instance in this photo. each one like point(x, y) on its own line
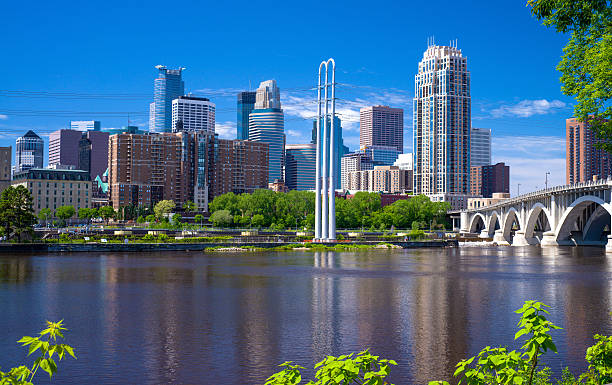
point(519, 98)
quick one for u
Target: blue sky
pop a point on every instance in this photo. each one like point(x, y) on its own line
point(98, 57)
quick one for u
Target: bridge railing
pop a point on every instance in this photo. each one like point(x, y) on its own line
point(539, 193)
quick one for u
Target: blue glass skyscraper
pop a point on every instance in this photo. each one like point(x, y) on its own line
point(340, 150)
point(169, 85)
point(246, 104)
point(267, 125)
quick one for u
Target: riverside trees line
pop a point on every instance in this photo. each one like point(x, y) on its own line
point(295, 209)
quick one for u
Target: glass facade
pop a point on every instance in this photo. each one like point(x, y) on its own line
point(381, 155)
point(300, 164)
point(268, 126)
point(30, 150)
point(168, 86)
point(246, 104)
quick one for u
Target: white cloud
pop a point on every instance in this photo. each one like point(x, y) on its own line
point(527, 108)
point(3, 117)
point(530, 158)
point(226, 130)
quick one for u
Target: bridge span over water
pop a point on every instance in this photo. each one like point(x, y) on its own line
point(578, 214)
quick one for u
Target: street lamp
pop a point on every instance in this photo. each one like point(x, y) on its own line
point(546, 181)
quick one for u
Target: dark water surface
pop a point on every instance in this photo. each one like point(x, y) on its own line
point(225, 318)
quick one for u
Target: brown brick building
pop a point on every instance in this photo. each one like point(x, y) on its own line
point(490, 179)
point(147, 168)
point(582, 160)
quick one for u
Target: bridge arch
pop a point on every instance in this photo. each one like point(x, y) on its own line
point(477, 223)
point(511, 218)
point(585, 219)
point(538, 216)
point(493, 223)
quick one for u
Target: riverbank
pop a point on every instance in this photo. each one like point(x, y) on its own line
point(10, 248)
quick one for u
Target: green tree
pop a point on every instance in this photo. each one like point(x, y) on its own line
point(176, 219)
point(64, 213)
point(257, 221)
point(221, 218)
point(50, 351)
point(163, 207)
point(106, 212)
point(199, 219)
point(586, 65)
point(189, 206)
point(85, 214)
point(140, 220)
point(16, 213)
point(150, 218)
point(44, 215)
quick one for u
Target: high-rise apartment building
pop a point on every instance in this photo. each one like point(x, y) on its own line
point(441, 124)
point(381, 126)
point(267, 125)
point(64, 147)
point(246, 104)
point(85, 125)
point(239, 166)
point(6, 155)
point(340, 149)
point(583, 160)
point(193, 114)
point(29, 153)
point(147, 168)
point(354, 162)
point(490, 179)
point(93, 153)
point(480, 147)
point(383, 179)
point(300, 166)
point(168, 86)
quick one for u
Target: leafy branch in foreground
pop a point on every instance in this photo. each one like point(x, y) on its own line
point(45, 342)
point(361, 368)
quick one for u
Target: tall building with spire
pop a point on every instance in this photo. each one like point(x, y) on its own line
point(168, 85)
point(267, 125)
point(441, 124)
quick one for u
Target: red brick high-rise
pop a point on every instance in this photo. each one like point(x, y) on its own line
point(582, 160)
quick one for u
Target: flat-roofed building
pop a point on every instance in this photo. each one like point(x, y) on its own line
point(6, 155)
point(53, 188)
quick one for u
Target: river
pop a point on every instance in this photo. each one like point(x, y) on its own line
point(230, 318)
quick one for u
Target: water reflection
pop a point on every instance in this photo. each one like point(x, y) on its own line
point(213, 318)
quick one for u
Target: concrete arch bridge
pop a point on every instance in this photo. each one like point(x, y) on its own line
point(578, 214)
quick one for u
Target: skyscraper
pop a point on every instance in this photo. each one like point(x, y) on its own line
point(300, 166)
point(381, 126)
point(246, 104)
point(29, 153)
point(193, 114)
point(267, 125)
point(441, 123)
point(168, 86)
point(489, 179)
point(340, 148)
point(583, 160)
point(480, 147)
point(64, 147)
point(85, 125)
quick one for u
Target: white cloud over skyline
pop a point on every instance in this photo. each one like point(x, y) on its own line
point(527, 108)
point(226, 130)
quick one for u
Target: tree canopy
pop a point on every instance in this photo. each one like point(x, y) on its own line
point(163, 207)
point(265, 208)
point(586, 65)
point(16, 213)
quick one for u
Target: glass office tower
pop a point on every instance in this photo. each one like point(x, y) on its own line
point(29, 153)
point(246, 104)
point(168, 86)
